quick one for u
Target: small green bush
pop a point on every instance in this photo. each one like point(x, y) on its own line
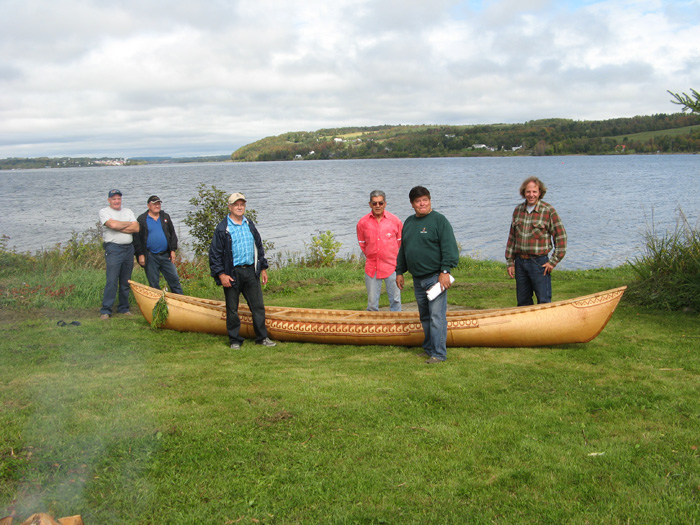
point(12, 262)
point(323, 249)
point(211, 206)
point(668, 274)
point(83, 250)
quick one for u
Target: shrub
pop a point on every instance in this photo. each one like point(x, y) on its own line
point(323, 249)
point(12, 262)
point(84, 250)
point(211, 206)
point(668, 274)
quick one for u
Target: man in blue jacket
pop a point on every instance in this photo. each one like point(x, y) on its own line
point(237, 262)
point(155, 245)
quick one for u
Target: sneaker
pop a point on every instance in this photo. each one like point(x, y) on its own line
point(267, 342)
point(235, 346)
point(127, 313)
point(104, 317)
point(433, 360)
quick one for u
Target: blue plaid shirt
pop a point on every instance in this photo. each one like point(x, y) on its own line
point(243, 244)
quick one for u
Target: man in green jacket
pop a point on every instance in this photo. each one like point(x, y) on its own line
point(428, 251)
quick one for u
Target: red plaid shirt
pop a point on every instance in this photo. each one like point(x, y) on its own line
point(534, 233)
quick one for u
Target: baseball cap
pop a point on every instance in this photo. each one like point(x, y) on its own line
point(112, 193)
point(153, 198)
point(236, 197)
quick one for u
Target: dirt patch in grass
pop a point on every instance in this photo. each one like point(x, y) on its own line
point(266, 420)
point(12, 315)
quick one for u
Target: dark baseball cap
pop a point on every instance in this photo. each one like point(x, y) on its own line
point(112, 193)
point(153, 198)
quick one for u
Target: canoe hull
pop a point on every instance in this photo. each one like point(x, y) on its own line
point(571, 321)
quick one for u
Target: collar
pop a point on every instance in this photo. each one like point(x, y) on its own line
point(231, 222)
point(537, 207)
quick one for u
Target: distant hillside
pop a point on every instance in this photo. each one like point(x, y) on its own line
point(676, 133)
point(19, 163)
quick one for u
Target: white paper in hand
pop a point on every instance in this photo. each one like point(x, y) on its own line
point(436, 289)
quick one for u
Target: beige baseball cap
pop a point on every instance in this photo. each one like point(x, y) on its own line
point(236, 197)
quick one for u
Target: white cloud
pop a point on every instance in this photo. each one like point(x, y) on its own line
point(183, 78)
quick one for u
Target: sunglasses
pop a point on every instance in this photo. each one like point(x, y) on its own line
point(377, 203)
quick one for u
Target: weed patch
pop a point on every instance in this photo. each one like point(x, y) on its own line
point(668, 274)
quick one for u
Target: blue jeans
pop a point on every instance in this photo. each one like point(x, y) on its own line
point(119, 259)
point(248, 284)
point(374, 290)
point(157, 263)
point(433, 317)
point(529, 278)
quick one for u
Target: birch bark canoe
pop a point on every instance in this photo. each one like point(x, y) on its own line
point(577, 320)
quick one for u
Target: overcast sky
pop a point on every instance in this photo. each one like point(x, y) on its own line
point(182, 78)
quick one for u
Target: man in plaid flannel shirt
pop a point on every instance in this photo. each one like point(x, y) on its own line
point(536, 228)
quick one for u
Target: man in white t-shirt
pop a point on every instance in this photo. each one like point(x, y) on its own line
point(119, 224)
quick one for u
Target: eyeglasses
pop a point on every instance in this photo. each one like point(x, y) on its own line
point(155, 203)
point(377, 203)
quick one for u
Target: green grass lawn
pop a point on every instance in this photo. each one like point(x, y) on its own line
point(121, 423)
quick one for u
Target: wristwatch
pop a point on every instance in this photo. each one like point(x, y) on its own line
point(445, 271)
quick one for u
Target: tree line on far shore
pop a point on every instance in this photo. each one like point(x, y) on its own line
point(661, 133)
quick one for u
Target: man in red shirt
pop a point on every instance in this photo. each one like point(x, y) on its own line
point(379, 235)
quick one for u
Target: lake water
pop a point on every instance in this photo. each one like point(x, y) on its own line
point(606, 202)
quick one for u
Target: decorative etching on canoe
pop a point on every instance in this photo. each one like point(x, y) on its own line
point(151, 293)
point(318, 327)
point(343, 329)
point(599, 299)
point(245, 319)
point(462, 323)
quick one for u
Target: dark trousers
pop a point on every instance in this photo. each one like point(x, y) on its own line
point(529, 278)
point(248, 284)
point(119, 259)
point(157, 263)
